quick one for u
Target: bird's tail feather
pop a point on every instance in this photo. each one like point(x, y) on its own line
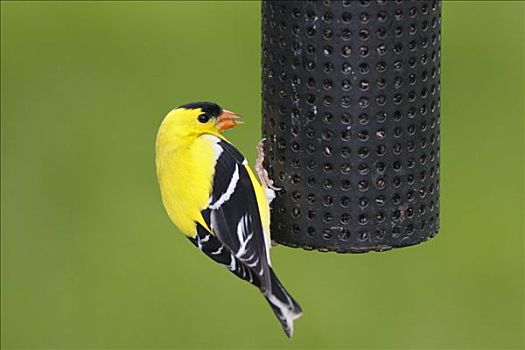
point(283, 305)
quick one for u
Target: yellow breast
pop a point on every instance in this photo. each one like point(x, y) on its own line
point(185, 175)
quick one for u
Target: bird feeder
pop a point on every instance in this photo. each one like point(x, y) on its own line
point(351, 100)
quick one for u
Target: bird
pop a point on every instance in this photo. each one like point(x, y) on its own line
point(214, 198)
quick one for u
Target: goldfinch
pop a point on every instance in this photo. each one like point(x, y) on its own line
point(213, 197)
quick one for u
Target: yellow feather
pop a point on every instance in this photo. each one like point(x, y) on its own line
point(262, 201)
point(185, 170)
point(185, 166)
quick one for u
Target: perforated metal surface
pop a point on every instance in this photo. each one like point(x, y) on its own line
point(351, 117)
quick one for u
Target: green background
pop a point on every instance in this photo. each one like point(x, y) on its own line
point(90, 259)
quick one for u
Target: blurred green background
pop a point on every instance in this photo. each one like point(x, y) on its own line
point(90, 259)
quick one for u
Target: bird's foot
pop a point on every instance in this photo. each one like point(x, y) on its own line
point(262, 174)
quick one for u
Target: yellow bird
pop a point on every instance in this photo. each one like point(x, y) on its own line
point(213, 197)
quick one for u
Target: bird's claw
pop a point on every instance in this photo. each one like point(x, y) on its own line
point(262, 174)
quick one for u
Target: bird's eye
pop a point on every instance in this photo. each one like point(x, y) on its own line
point(203, 118)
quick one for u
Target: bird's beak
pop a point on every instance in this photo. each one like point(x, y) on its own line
point(227, 120)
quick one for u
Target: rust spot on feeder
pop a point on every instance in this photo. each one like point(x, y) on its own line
point(402, 210)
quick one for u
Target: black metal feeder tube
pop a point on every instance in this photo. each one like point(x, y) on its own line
point(351, 96)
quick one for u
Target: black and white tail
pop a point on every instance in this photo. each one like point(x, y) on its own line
point(283, 305)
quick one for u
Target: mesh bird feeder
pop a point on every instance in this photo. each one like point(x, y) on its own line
point(351, 97)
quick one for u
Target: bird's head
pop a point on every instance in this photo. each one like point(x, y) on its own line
point(198, 118)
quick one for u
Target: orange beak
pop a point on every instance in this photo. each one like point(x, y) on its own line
point(227, 120)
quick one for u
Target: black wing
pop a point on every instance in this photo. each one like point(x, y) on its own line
point(233, 213)
point(215, 249)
